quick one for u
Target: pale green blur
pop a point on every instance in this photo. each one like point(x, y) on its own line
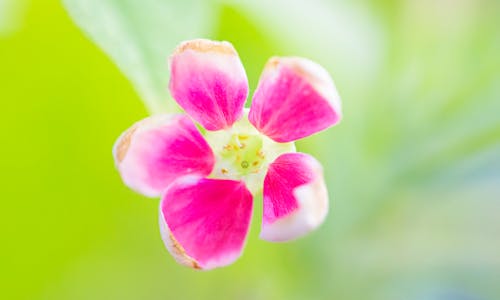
point(413, 170)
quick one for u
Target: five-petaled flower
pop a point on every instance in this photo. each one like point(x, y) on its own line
point(207, 181)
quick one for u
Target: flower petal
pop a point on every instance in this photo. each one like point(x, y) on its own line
point(157, 150)
point(294, 99)
point(295, 197)
point(204, 222)
point(209, 82)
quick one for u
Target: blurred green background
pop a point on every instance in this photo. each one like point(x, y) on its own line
point(413, 170)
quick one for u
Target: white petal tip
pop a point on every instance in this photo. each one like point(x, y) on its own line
point(205, 45)
point(175, 249)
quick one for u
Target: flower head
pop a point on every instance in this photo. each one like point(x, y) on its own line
point(207, 181)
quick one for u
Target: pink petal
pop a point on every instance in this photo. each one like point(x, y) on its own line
point(294, 99)
point(204, 222)
point(209, 82)
point(157, 150)
point(295, 197)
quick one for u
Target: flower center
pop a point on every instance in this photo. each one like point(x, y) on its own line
point(242, 153)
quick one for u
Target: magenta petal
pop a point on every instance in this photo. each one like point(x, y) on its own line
point(295, 197)
point(209, 82)
point(204, 222)
point(157, 150)
point(294, 99)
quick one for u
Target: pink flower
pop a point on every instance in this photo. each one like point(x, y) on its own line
point(207, 181)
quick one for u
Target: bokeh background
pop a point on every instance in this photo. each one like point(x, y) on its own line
point(413, 170)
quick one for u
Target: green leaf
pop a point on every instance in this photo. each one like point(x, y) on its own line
point(11, 16)
point(140, 35)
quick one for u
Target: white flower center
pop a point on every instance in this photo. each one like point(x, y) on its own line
point(242, 153)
